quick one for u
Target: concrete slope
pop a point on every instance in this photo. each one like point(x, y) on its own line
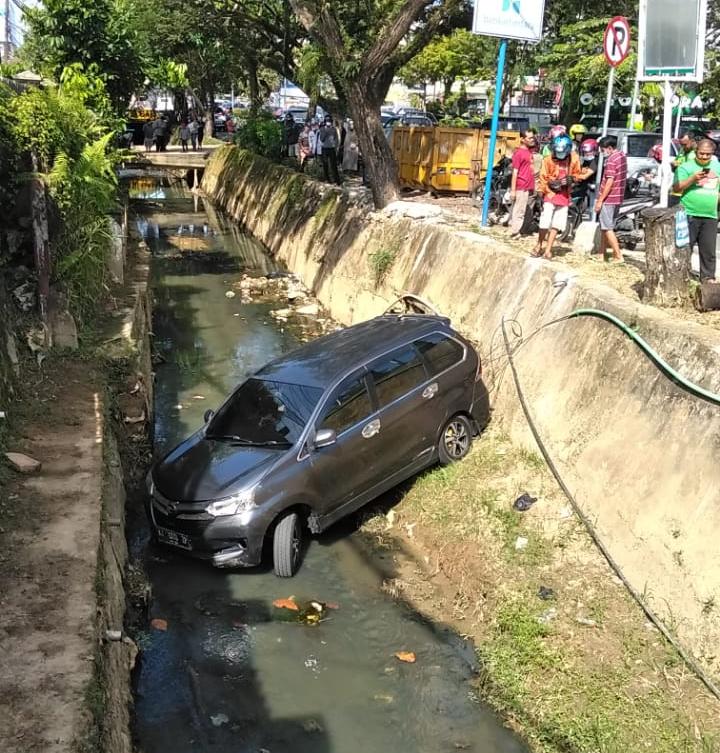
point(640, 454)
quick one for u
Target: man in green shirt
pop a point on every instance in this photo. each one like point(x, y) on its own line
point(688, 144)
point(698, 180)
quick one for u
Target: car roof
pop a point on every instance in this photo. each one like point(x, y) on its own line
point(321, 362)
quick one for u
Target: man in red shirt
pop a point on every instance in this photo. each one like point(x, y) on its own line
point(523, 181)
point(611, 195)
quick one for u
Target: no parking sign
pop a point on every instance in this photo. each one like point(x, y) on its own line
point(616, 42)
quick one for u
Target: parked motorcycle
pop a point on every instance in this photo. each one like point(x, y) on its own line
point(500, 205)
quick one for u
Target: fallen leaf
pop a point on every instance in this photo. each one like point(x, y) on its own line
point(159, 624)
point(288, 603)
point(407, 656)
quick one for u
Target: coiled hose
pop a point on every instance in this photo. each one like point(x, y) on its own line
point(681, 382)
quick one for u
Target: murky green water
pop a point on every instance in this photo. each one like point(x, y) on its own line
point(226, 675)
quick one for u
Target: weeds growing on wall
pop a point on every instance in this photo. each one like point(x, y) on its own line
point(381, 262)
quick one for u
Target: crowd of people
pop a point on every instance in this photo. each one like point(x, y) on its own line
point(567, 166)
point(157, 133)
point(335, 148)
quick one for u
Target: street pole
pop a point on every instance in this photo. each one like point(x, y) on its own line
point(493, 130)
point(666, 144)
point(606, 123)
point(232, 97)
point(633, 109)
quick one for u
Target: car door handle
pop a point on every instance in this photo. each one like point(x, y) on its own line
point(430, 391)
point(371, 429)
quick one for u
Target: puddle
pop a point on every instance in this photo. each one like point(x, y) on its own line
point(232, 673)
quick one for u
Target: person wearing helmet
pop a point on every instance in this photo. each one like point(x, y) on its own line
point(577, 133)
point(553, 133)
point(589, 152)
point(560, 170)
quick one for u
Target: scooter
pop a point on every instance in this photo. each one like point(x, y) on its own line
point(500, 205)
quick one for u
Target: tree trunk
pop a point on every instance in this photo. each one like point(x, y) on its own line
point(667, 267)
point(380, 167)
point(41, 239)
point(253, 85)
point(447, 84)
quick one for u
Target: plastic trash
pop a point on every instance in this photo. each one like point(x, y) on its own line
point(524, 502)
point(546, 593)
point(547, 616)
point(521, 542)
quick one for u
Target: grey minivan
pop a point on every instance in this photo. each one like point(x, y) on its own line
point(316, 434)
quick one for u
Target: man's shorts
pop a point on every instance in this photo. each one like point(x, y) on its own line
point(608, 216)
point(292, 150)
point(553, 216)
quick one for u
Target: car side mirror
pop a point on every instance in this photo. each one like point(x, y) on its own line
point(209, 413)
point(324, 438)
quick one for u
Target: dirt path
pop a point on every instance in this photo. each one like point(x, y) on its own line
point(49, 537)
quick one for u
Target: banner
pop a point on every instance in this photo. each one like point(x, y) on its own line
point(671, 43)
point(509, 19)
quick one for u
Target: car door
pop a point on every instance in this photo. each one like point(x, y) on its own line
point(452, 377)
point(403, 394)
point(344, 470)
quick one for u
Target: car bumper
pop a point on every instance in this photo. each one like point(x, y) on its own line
point(223, 542)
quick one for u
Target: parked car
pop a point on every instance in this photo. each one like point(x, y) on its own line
point(315, 435)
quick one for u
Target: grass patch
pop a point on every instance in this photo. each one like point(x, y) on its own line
point(589, 677)
point(381, 262)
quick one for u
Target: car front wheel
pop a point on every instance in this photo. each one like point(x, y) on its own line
point(455, 440)
point(287, 545)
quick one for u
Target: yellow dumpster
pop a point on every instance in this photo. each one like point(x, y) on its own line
point(446, 159)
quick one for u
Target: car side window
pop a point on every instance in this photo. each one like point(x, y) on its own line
point(349, 405)
point(440, 351)
point(397, 374)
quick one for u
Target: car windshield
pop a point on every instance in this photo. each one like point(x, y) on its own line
point(640, 145)
point(265, 413)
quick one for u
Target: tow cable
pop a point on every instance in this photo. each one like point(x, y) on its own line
point(681, 382)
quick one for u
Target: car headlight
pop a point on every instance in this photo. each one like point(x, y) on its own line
point(237, 503)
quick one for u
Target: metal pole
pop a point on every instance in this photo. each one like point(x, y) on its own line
point(606, 123)
point(232, 97)
point(633, 109)
point(679, 118)
point(493, 130)
point(667, 134)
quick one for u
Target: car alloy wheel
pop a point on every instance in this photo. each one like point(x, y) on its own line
point(455, 440)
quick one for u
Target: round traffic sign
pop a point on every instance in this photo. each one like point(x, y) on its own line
point(616, 42)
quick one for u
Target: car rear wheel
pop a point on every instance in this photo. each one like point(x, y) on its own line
point(287, 545)
point(455, 440)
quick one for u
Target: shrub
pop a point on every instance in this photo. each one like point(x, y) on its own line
point(262, 134)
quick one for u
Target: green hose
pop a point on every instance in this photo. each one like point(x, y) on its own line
point(654, 357)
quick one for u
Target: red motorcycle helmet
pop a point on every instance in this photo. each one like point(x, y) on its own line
point(557, 130)
point(589, 149)
point(657, 153)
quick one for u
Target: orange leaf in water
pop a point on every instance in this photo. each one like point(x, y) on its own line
point(158, 623)
point(288, 603)
point(407, 656)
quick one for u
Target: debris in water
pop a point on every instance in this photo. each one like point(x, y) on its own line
point(219, 719)
point(198, 397)
point(546, 593)
point(179, 406)
point(521, 542)
point(159, 624)
point(383, 698)
point(288, 603)
point(406, 656)
point(312, 725)
point(230, 294)
point(524, 502)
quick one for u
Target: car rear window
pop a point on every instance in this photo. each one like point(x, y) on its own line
point(350, 405)
point(440, 351)
point(397, 374)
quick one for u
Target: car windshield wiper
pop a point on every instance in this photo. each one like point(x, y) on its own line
point(247, 442)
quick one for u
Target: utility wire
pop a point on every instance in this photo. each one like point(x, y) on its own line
point(681, 382)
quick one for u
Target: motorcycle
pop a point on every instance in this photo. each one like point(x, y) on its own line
point(500, 204)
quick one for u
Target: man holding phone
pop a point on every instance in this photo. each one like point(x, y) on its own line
point(698, 180)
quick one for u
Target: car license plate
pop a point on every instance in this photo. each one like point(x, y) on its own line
point(174, 538)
